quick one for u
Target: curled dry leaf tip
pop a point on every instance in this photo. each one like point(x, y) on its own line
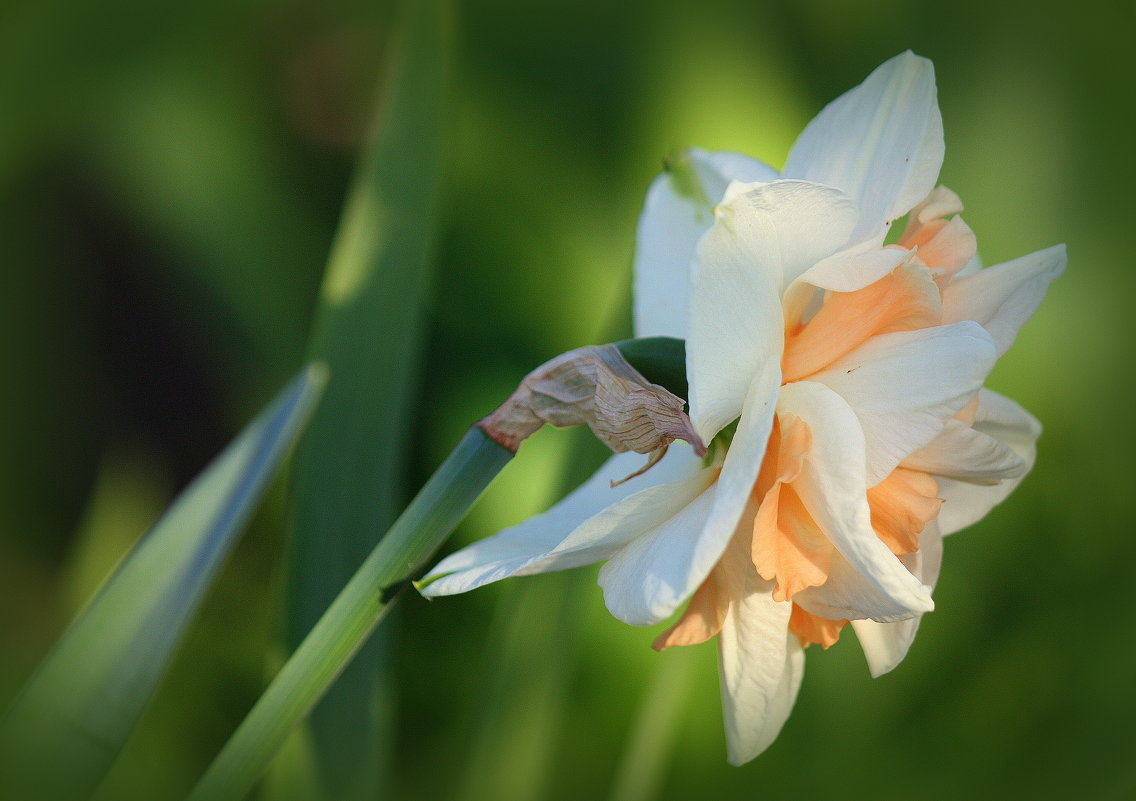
point(594, 385)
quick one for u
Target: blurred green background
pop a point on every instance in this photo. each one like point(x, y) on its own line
point(171, 177)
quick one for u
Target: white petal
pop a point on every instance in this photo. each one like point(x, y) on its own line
point(720, 168)
point(851, 269)
point(760, 665)
point(972, 266)
point(881, 142)
point(833, 487)
point(964, 504)
point(941, 202)
point(999, 417)
point(674, 218)
point(849, 595)
point(1001, 298)
point(906, 385)
point(964, 453)
point(743, 459)
point(584, 527)
point(886, 644)
point(647, 579)
point(736, 322)
point(669, 230)
point(855, 267)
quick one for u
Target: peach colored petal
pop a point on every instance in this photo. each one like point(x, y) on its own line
point(905, 300)
point(811, 628)
point(789, 548)
point(795, 442)
point(945, 245)
point(940, 202)
point(703, 618)
point(902, 504)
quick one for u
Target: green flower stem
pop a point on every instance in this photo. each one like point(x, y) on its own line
point(351, 618)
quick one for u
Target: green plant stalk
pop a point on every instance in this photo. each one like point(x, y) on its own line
point(399, 556)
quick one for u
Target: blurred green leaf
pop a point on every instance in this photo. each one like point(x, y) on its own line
point(346, 482)
point(73, 717)
point(524, 697)
point(649, 749)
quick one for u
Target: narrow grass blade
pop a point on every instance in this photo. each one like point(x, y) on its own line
point(346, 482)
point(347, 624)
point(69, 723)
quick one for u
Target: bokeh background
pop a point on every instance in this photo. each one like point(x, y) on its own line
point(171, 176)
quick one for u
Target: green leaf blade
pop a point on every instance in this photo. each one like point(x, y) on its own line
point(346, 483)
point(73, 717)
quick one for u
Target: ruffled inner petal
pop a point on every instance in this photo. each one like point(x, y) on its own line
point(905, 300)
point(702, 619)
point(902, 504)
point(788, 547)
point(813, 629)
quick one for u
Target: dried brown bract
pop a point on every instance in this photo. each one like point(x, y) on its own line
point(594, 385)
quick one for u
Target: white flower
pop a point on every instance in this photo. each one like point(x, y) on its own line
point(853, 372)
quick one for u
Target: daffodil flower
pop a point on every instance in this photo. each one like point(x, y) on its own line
point(840, 382)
